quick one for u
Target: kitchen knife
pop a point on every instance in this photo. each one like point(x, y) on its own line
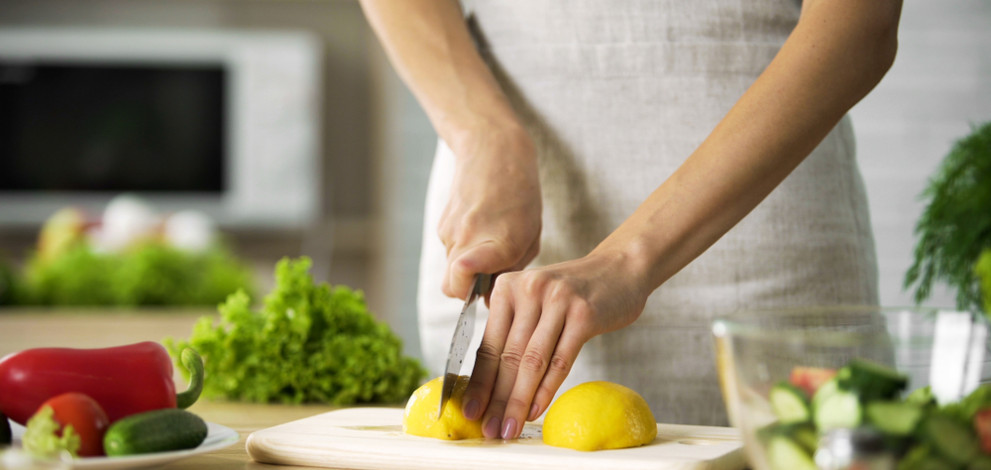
point(462, 338)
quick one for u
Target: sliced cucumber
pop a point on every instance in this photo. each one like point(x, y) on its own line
point(830, 387)
point(790, 404)
point(786, 454)
point(871, 381)
point(951, 440)
point(894, 418)
point(840, 410)
point(154, 431)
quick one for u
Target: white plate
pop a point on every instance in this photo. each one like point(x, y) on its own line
point(217, 438)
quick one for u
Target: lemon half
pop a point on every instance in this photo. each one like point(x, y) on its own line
point(420, 417)
point(598, 416)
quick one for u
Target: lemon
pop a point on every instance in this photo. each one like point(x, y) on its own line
point(420, 417)
point(598, 416)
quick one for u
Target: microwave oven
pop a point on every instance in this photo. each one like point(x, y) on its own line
point(224, 122)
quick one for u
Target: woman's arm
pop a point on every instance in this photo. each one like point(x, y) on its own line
point(540, 318)
point(492, 220)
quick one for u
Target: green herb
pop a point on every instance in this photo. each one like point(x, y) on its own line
point(307, 343)
point(148, 274)
point(955, 226)
point(983, 270)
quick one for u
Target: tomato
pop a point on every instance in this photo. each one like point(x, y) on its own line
point(86, 417)
point(982, 424)
point(810, 379)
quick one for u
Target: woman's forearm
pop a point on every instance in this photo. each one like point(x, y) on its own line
point(837, 53)
point(429, 45)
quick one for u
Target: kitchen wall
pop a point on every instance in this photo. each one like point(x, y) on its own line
point(939, 86)
point(378, 143)
point(347, 192)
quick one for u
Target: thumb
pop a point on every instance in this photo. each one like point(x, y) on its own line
point(485, 257)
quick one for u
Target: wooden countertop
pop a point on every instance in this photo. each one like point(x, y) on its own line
point(90, 328)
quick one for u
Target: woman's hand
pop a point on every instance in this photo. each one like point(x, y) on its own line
point(492, 222)
point(538, 321)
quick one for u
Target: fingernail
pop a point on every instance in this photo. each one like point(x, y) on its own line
point(509, 430)
point(491, 429)
point(533, 412)
point(471, 410)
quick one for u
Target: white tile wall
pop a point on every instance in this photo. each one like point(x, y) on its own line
point(938, 87)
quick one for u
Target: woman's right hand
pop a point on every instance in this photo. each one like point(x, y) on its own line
point(492, 221)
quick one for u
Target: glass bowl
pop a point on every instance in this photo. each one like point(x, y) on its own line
point(803, 385)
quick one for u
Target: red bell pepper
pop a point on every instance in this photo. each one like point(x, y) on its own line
point(124, 380)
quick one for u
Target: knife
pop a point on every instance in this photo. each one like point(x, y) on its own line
point(462, 338)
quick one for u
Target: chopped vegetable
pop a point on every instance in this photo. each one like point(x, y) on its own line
point(810, 379)
point(124, 380)
point(870, 380)
point(84, 416)
point(786, 454)
point(864, 396)
point(307, 343)
point(839, 410)
point(955, 226)
point(894, 418)
point(790, 404)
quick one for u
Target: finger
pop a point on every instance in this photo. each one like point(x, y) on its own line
point(483, 375)
point(565, 354)
point(485, 257)
point(525, 321)
point(532, 367)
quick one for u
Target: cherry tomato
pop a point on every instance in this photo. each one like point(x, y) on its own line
point(86, 417)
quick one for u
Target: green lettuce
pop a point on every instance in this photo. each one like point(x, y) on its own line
point(41, 437)
point(307, 343)
point(148, 274)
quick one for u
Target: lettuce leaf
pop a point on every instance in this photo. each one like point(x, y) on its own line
point(148, 274)
point(307, 343)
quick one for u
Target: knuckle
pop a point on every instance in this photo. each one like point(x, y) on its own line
point(559, 365)
point(517, 403)
point(511, 358)
point(487, 352)
point(533, 361)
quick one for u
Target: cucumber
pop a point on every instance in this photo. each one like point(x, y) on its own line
point(840, 410)
point(786, 454)
point(825, 390)
point(894, 418)
point(951, 440)
point(789, 404)
point(4, 430)
point(154, 431)
point(871, 381)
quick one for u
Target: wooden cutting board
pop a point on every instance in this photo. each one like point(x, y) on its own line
point(372, 438)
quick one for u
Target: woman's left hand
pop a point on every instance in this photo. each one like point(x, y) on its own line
point(538, 321)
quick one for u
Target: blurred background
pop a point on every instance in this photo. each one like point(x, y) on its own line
point(281, 123)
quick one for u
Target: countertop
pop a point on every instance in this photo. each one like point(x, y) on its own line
point(89, 328)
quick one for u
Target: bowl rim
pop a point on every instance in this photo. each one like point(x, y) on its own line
point(753, 322)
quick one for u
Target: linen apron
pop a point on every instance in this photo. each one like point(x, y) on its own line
point(616, 94)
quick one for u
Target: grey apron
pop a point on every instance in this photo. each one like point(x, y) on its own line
point(616, 94)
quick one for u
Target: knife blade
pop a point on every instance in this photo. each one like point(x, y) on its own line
point(462, 338)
